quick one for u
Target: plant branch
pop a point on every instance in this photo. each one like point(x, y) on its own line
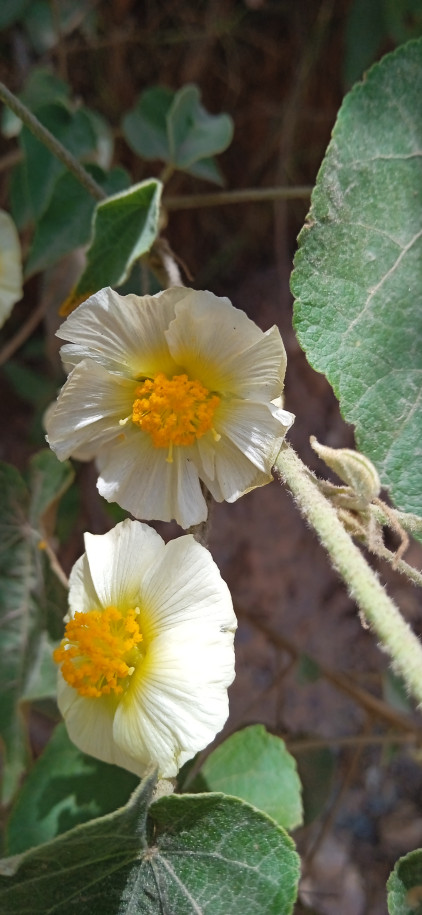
point(376, 607)
point(245, 195)
point(51, 142)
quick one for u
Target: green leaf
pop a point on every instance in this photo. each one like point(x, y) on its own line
point(64, 788)
point(11, 11)
point(145, 127)
point(395, 692)
point(256, 767)
point(207, 169)
point(202, 854)
point(41, 88)
point(124, 228)
point(358, 273)
point(404, 885)
point(30, 598)
point(175, 127)
point(46, 27)
point(67, 222)
point(193, 133)
point(74, 130)
point(317, 768)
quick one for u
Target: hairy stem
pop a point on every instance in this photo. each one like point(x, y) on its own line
point(375, 605)
point(51, 142)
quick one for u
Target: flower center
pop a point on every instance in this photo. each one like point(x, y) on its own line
point(99, 651)
point(174, 411)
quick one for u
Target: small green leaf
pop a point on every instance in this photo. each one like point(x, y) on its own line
point(175, 127)
point(145, 127)
point(45, 27)
point(74, 130)
point(66, 224)
point(49, 479)
point(190, 854)
point(395, 692)
point(404, 885)
point(358, 273)
point(256, 767)
point(64, 788)
point(41, 88)
point(316, 770)
point(11, 11)
point(124, 228)
point(207, 169)
point(193, 133)
point(31, 600)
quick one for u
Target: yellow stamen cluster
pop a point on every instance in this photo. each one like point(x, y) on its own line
point(100, 650)
point(174, 411)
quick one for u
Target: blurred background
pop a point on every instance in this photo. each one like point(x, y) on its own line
point(305, 666)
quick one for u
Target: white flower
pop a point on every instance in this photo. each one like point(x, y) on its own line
point(148, 650)
point(10, 266)
point(168, 390)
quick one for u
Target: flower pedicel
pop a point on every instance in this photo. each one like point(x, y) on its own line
point(166, 391)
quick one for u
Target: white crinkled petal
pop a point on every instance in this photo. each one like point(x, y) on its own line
point(119, 560)
point(89, 723)
point(88, 410)
point(224, 360)
point(256, 429)
point(178, 701)
point(185, 587)
point(138, 477)
point(124, 333)
point(251, 437)
point(258, 372)
point(206, 334)
point(234, 474)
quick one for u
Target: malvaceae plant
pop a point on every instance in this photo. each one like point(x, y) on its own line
point(148, 649)
point(167, 391)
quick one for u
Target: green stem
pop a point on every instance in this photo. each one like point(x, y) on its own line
point(376, 606)
point(51, 142)
point(245, 195)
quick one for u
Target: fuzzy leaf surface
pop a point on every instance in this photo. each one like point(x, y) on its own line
point(404, 885)
point(192, 854)
point(358, 271)
point(29, 601)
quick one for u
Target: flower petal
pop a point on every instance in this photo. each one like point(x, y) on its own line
point(178, 700)
point(120, 559)
point(89, 723)
point(10, 266)
point(256, 429)
point(234, 474)
point(185, 586)
point(82, 594)
point(124, 333)
point(88, 411)
point(138, 476)
point(224, 349)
